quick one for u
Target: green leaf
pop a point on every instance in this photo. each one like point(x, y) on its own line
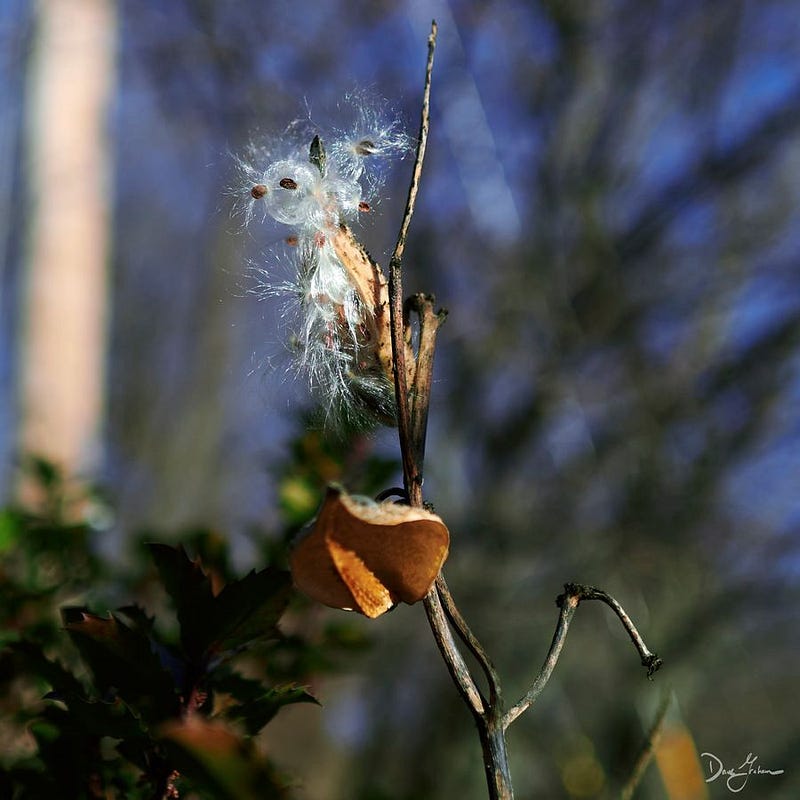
point(122, 659)
point(298, 496)
point(227, 681)
point(11, 528)
point(137, 618)
point(244, 611)
point(68, 754)
point(48, 474)
point(190, 590)
point(27, 658)
point(218, 760)
point(257, 712)
point(249, 609)
point(99, 718)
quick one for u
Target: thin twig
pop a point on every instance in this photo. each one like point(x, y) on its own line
point(649, 660)
point(470, 640)
point(422, 142)
point(648, 750)
point(410, 445)
point(568, 602)
point(452, 656)
point(412, 419)
point(410, 472)
point(568, 606)
point(414, 371)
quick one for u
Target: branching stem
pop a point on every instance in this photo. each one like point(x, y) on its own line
point(412, 378)
point(412, 417)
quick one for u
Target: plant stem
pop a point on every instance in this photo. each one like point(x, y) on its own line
point(412, 418)
point(412, 470)
point(568, 602)
point(413, 374)
point(495, 761)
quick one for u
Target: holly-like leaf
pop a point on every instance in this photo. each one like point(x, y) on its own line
point(225, 680)
point(27, 658)
point(249, 609)
point(122, 659)
point(191, 593)
point(136, 617)
point(100, 718)
point(218, 760)
point(213, 625)
point(258, 711)
point(68, 755)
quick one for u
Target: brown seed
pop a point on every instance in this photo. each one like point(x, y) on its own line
point(291, 241)
point(363, 207)
point(258, 191)
point(288, 183)
point(366, 148)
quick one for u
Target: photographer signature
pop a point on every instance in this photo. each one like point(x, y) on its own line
point(737, 777)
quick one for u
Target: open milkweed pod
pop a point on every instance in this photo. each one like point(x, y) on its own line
point(366, 556)
point(373, 291)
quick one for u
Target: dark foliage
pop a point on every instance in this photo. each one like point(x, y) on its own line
point(118, 704)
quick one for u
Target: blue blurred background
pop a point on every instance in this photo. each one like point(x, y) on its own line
point(610, 212)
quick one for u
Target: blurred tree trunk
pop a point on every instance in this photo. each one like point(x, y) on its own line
point(65, 313)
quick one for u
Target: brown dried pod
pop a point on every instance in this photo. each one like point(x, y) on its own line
point(366, 556)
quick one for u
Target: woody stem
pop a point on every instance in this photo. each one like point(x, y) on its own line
point(412, 419)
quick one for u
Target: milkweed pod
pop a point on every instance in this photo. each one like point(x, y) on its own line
point(366, 556)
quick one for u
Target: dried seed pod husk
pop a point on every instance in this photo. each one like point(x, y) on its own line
point(366, 556)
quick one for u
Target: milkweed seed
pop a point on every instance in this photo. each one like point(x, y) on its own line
point(366, 148)
point(288, 183)
point(364, 207)
point(258, 191)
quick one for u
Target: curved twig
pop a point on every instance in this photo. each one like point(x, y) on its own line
point(649, 660)
point(568, 602)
